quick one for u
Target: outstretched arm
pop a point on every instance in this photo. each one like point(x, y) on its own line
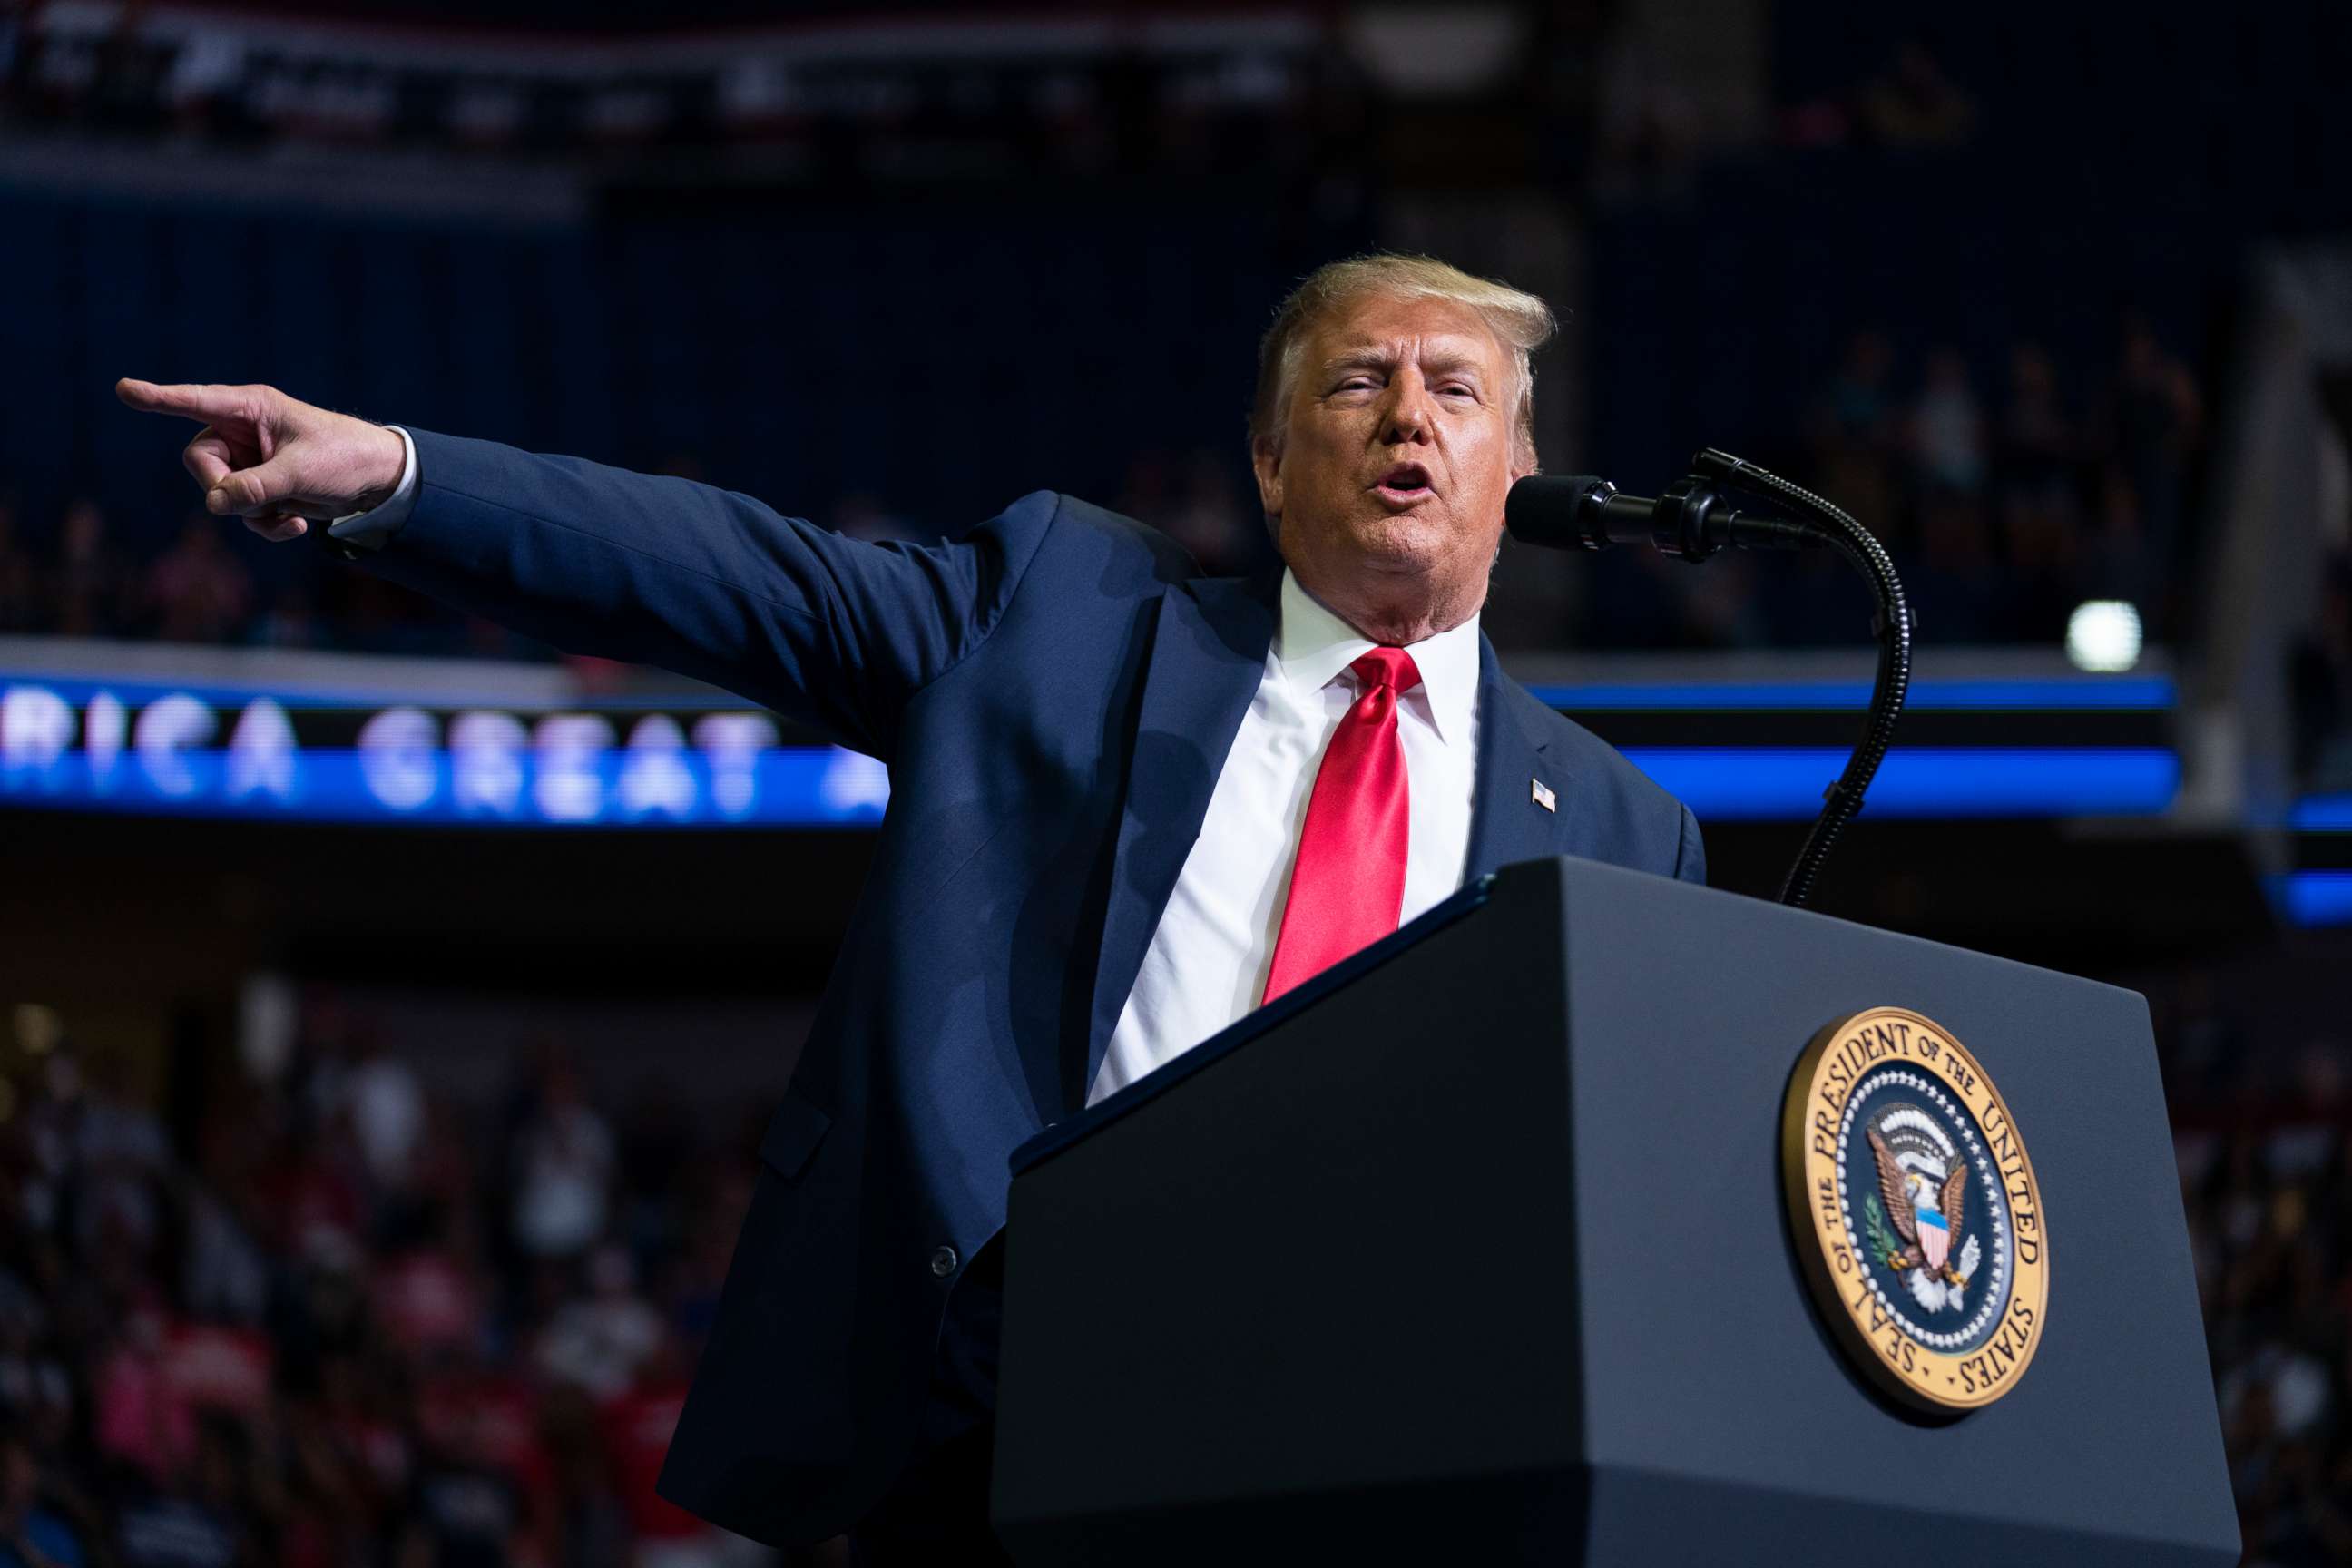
point(835, 631)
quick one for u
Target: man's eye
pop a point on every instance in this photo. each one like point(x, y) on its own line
point(1355, 384)
point(1457, 386)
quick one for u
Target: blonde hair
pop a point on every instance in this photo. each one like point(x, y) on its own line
point(1519, 321)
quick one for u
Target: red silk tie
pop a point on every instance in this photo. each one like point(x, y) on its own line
point(1347, 888)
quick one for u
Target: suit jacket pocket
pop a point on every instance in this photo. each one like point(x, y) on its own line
point(793, 1135)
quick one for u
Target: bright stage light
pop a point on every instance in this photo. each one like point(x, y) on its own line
point(2103, 634)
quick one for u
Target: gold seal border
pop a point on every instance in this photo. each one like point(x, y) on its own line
point(1913, 1374)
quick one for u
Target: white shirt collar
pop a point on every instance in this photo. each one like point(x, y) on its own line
point(1313, 646)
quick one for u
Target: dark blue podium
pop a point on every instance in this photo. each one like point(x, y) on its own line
point(1475, 1250)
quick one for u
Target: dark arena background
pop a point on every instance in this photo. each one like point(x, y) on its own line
point(393, 1005)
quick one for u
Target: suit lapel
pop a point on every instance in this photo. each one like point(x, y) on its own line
point(1208, 655)
point(1508, 823)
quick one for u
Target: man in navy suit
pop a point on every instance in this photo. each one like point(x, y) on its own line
point(1127, 804)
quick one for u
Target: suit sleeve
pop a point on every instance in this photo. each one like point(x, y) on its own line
point(1690, 856)
point(832, 631)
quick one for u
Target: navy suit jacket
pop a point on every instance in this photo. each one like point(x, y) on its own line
point(1055, 693)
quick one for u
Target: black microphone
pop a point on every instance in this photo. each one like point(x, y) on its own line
point(1692, 518)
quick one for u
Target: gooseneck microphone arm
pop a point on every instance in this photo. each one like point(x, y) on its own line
point(1693, 518)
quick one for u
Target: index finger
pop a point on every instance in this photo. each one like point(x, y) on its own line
point(196, 402)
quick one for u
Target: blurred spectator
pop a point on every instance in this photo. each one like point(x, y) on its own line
point(387, 1111)
point(597, 1342)
point(33, 1534)
point(2037, 442)
point(37, 1388)
point(637, 1425)
point(196, 591)
point(1855, 426)
point(86, 586)
point(1947, 438)
point(20, 588)
point(227, 1275)
point(463, 1512)
point(430, 1301)
point(587, 1524)
point(1648, 126)
point(1196, 503)
point(1912, 103)
point(2158, 419)
point(1208, 517)
point(1861, 401)
point(2118, 560)
point(2320, 685)
point(563, 1170)
point(1952, 579)
point(2039, 545)
point(290, 621)
point(197, 1517)
point(1148, 492)
point(140, 1417)
point(123, 1153)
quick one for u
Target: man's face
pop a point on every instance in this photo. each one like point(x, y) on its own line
point(1390, 481)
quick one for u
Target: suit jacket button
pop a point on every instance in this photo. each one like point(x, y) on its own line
point(943, 1262)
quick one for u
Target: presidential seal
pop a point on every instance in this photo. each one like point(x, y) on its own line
point(1915, 1210)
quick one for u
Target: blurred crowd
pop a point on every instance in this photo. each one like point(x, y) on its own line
point(2264, 1140)
point(77, 576)
point(210, 583)
point(797, 88)
point(330, 1319)
point(2007, 510)
point(2006, 503)
point(2007, 495)
point(2013, 478)
point(2007, 500)
point(329, 1316)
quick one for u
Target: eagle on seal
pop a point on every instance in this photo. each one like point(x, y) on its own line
point(1924, 1215)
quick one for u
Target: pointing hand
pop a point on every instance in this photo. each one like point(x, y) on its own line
point(273, 460)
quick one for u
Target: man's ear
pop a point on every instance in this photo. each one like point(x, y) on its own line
point(1266, 462)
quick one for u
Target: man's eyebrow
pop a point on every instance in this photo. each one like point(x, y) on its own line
point(1372, 357)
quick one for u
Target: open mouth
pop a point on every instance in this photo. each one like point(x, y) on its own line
point(1405, 481)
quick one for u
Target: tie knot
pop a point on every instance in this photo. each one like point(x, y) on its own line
point(1390, 667)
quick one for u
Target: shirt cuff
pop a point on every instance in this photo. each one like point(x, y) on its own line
point(374, 529)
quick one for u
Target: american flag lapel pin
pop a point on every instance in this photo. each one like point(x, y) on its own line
point(1543, 795)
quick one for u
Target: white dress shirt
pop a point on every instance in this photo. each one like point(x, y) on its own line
point(1208, 960)
point(370, 530)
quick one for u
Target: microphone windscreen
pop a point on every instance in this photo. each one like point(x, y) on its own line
point(1549, 508)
